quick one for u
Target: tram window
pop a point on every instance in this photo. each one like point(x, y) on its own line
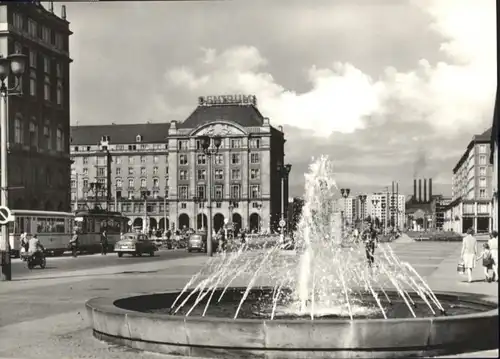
point(90, 225)
point(50, 225)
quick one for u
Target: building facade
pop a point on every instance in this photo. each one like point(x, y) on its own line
point(388, 207)
point(161, 170)
point(495, 134)
point(39, 118)
point(472, 188)
point(385, 207)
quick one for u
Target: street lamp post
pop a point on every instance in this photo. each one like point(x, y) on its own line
point(345, 193)
point(96, 188)
point(205, 142)
point(362, 198)
point(284, 171)
point(145, 195)
point(259, 208)
point(16, 65)
point(164, 215)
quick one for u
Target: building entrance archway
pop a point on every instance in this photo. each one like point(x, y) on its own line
point(201, 221)
point(237, 220)
point(183, 221)
point(218, 222)
point(254, 222)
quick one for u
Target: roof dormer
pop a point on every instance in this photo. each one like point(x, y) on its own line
point(138, 138)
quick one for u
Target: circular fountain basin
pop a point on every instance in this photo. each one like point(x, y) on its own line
point(145, 322)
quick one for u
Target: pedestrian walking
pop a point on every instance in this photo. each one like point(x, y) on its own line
point(493, 244)
point(104, 243)
point(370, 239)
point(487, 263)
point(469, 253)
point(73, 243)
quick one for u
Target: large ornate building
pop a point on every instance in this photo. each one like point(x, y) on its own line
point(38, 134)
point(160, 169)
point(472, 188)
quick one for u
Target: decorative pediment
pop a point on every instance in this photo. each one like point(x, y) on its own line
point(219, 129)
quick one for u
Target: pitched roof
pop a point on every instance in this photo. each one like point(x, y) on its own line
point(485, 136)
point(243, 115)
point(91, 135)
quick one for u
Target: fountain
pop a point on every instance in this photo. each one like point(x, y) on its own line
point(325, 300)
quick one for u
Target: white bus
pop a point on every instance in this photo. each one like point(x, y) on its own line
point(54, 229)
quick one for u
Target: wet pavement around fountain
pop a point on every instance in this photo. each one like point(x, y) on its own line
point(49, 311)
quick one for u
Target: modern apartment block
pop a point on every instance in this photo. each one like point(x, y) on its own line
point(472, 188)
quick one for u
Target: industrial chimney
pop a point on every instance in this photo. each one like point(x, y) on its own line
point(430, 189)
point(420, 190)
point(425, 191)
point(415, 190)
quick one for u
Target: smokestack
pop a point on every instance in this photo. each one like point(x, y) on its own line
point(420, 190)
point(425, 191)
point(51, 6)
point(415, 190)
point(63, 12)
point(430, 189)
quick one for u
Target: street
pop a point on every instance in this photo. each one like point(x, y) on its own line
point(56, 265)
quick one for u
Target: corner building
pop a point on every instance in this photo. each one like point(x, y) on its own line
point(472, 190)
point(246, 184)
point(39, 118)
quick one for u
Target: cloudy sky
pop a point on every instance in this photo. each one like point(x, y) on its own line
point(389, 89)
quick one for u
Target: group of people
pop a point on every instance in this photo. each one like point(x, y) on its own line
point(489, 256)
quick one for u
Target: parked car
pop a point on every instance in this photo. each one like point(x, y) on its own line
point(198, 242)
point(135, 244)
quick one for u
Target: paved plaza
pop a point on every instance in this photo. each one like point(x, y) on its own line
point(43, 316)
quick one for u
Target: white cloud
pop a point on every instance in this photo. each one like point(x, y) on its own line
point(450, 96)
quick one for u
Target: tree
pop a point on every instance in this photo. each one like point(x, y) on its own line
point(368, 219)
point(377, 222)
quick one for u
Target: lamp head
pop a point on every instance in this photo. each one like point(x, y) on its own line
point(204, 142)
point(4, 68)
point(217, 141)
point(17, 64)
point(288, 168)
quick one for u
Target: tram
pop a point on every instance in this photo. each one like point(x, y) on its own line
point(90, 224)
point(53, 229)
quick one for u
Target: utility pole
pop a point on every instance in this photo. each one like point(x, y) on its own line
point(14, 64)
point(109, 159)
point(77, 191)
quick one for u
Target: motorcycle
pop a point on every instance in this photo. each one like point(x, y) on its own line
point(37, 259)
point(23, 254)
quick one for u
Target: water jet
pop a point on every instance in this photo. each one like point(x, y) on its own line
point(325, 301)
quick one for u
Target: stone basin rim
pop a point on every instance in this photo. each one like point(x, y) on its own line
point(105, 304)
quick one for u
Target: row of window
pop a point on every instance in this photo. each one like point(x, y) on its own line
point(100, 160)
point(235, 159)
point(47, 84)
point(34, 139)
point(219, 174)
point(218, 192)
point(183, 145)
point(143, 147)
point(101, 171)
point(35, 30)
